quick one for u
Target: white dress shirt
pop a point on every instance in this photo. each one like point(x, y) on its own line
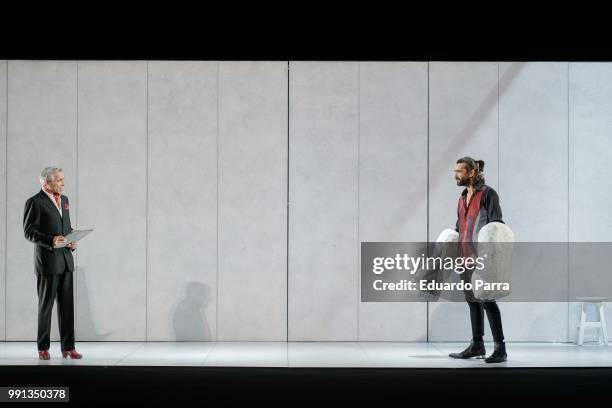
point(53, 201)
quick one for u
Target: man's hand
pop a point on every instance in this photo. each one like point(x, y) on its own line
point(73, 246)
point(57, 240)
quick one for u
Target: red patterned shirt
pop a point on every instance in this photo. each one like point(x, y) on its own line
point(482, 209)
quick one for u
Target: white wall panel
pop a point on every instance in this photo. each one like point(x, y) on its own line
point(42, 106)
point(252, 201)
point(182, 202)
point(393, 182)
point(323, 215)
point(112, 189)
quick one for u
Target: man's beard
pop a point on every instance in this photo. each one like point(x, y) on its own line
point(463, 182)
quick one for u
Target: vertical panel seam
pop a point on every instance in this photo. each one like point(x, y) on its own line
point(568, 200)
point(76, 218)
point(288, 207)
point(6, 195)
point(358, 195)
point(428, 203)
point(147, 213)
point(217, 325)
point(498, 138)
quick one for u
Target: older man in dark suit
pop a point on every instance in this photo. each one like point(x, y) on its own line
point(46, 221)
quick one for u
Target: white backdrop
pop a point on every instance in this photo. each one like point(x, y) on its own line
point(277, 171)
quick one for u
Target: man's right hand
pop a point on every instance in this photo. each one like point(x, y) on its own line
point(57, 240)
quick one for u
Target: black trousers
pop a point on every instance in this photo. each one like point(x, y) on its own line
point(477, 309)
point(50, 288)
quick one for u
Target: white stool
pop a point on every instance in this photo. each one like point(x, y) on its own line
point(598, 304)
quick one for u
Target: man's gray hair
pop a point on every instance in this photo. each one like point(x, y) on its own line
point(47, 174)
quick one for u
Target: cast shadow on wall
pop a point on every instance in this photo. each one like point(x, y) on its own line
point(86, 328)
point(189, 319)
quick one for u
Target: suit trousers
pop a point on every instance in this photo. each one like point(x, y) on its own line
point(50, 288)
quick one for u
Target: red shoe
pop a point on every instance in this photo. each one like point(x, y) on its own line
point(71, 354)
point(44, 355)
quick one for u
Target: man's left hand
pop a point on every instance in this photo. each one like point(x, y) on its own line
point(73, 246)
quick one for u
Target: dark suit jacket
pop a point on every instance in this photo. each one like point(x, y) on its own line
point(41, 222)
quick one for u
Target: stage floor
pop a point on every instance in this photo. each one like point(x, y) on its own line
point(306, 354)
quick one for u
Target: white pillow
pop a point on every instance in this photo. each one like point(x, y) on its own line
point(498, 262)
point(495, 232)
point(448, 235)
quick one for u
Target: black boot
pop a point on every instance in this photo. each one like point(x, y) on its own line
point(475, 349)
point(499, 354)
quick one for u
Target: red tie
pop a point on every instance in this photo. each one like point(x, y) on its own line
point(57, 200)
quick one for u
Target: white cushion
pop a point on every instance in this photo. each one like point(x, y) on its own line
point(495, 232)
point(498, 260)
point(448, 235)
